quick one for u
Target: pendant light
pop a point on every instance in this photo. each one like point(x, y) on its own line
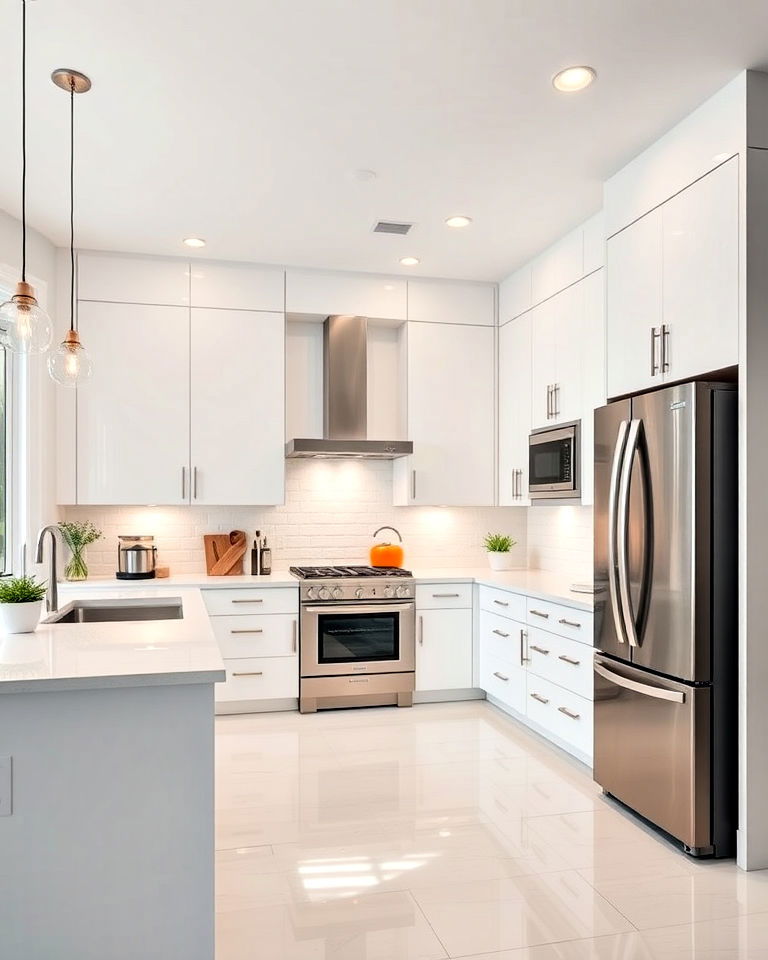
point(24, 326)
point(70, 363)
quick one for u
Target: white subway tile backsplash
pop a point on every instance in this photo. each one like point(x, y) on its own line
point(560, 540)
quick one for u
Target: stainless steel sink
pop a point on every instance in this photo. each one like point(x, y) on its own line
point(112, 611)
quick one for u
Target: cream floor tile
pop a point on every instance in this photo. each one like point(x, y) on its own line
point(497, 915)
point(385, 926)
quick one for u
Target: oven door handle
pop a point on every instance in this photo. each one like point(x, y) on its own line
point(385, 607)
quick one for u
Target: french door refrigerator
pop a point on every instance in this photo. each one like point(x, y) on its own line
point(665, 662)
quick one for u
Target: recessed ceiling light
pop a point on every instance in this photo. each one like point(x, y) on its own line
point(409, 261)
point(364, 175)
point(194, 241)
point(458, 221)
point(573, 79)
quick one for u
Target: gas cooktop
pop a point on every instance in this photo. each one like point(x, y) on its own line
point(338, 573)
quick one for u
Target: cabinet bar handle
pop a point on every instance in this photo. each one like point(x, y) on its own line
point(556, 399)
point(523, 641)
point(655, 335)
point(538, 613)
point(538, 696)
point(247, 601)
point(255, 630)
point(183, 483)
point(501, 676)
point(567, 712)
point(294, 640)
point(664, 348)
point(249, 673)
point(569, 623)
point(567, 659)
point(539, 649)
point(549, 401)
point(500, 634)
point(439, 595)
point(421, 631)
point(194, 483)
point(413, 484)
point(501, 603)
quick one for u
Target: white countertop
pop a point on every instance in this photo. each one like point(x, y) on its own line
point(80, 656)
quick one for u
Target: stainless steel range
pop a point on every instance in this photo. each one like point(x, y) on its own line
point(358, 637)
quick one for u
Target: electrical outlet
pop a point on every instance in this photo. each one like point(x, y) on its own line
point(6, 786)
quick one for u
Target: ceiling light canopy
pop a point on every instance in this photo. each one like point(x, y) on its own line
point(409, 261)
point(459, 221)
point(573, 79)
point(194, 241)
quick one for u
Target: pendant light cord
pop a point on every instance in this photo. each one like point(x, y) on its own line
point(24, 140)
point(72, 203)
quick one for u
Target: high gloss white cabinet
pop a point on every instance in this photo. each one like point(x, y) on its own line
point(556, 349)
point(443, 649)
point(514, 410)
point(237, 453)
point(450, 416)
point(119, 279)
point(444, 301)
point(133, 416)
point(237, 286)
point(321, 293)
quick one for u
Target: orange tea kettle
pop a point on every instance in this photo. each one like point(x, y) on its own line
point(387, 554)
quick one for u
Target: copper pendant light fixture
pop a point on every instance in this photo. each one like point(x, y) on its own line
point(70, 364)
point(25, 327)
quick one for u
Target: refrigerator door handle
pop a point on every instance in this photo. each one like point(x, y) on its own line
point(622, 530)
point(613, 499)
point(658, 693)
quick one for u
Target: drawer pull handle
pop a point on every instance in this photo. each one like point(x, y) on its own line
point(500, 634)
point(570, 623)
point(439, 596)
point(501, 676)
point(255, 630)
point(568, 713)
point(538, 613)
point(538, 696)
point(539, 649)
point(570, 660)
point(247, 601)
point(250, 673)
point(501, 603)
point(294, 641)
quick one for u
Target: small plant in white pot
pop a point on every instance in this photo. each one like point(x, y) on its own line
point(499, 547)
point(21, 604)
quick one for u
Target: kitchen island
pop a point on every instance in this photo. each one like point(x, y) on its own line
point(107, 786)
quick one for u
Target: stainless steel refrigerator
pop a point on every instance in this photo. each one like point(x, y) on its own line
point(666, 638)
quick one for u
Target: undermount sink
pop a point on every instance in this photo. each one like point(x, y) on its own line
point(112, 611)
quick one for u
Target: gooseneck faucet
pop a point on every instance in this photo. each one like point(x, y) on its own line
point(52, 596)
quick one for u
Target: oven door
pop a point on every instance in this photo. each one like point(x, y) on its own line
point(553, 468)
point(346, 638)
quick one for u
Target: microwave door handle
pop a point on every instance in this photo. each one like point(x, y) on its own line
point(622, 530)
point(613, 498)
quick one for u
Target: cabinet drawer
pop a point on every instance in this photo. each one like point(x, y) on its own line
point(557, 618)
point(272, 635)
point(265, 678)
point(560, 660)
point(500, 636)
point(561, 712)
point(251, 600)
point(437, 596)
point(502, 602)
point(503, 680)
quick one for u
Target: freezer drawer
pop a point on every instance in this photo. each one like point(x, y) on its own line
point(652, 748)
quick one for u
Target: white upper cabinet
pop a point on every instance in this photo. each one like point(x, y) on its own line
point(633, 302)
point(543, 362)
point(450, 416)
point(321, 294)
point(556, 349)
point(237, 286)
point(592, 360)
point(443, 301)
point(515, 296)
point(514, 411)
point(132, 279)
point(558, 266)
point(133, 416)
point(237, 407)
point(701, 275)
point(673, 287)
point(594, 243)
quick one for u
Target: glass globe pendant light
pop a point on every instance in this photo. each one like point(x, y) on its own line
point(25, 327)
point(70, 364)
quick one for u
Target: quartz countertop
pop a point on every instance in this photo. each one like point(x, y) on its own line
point(81, 656)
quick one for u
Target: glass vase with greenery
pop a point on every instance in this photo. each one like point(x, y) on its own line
point(77, 536)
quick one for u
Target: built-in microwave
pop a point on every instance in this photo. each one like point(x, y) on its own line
point(553, 463)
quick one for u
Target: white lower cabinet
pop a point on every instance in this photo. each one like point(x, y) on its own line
point(262, 678)
point(444, 649)
point(560, 712)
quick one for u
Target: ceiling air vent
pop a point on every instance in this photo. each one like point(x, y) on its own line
point(391, 226)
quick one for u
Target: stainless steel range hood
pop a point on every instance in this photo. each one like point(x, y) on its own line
point(345, 399)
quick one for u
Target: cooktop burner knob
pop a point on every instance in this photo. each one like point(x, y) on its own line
point(389, 592)
point(359, 593)
point(323, 593)
point(338, 593)
point(402, 591)
point(312, 593)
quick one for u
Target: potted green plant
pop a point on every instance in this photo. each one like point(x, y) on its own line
point(21, 604)
point(77, 536)
point(499, 547)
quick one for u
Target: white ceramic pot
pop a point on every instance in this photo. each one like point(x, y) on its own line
point(500, 561)
point(20, 617)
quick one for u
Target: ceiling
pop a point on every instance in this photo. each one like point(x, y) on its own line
point(244, 121)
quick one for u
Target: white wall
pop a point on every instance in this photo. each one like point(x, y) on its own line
point(560, 540)
point(331, 511)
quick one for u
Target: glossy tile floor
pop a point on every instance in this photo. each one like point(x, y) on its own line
point(447, 830)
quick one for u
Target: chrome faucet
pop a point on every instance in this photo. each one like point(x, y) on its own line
point(52, 596)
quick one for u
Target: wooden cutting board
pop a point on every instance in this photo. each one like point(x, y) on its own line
point(224, 553)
